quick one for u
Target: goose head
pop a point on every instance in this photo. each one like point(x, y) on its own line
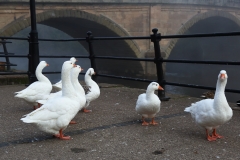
point(73, 60)
point(42, 64)
point(90, 72)
point(76, 70)
point(221, 82)
point(68, 65)
point(154, 86)
point(222, 75)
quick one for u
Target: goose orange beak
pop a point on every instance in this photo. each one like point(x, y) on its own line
point(82, 69)
point(160, 88)
point(47, 64)
point(222, 76)
point(74, 65)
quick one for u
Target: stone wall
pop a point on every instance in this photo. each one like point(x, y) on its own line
point(136, 19)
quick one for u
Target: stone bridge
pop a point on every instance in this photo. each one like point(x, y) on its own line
point(118, 18)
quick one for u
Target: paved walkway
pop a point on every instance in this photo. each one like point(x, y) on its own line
point(113, 131)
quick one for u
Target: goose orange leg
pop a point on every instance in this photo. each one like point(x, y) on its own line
point(153, 122)
point(214, 134)
point(73, 122)
point(210, 138)
point(61, 136)
point(39, 105)
point(86, 110)
point(144, 123)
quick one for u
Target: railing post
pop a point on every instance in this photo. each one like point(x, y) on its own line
point(33, 55)
point(92, 55)
point(6, 53)
point(155, 38)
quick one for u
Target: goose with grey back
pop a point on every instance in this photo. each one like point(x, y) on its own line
point(91, 88)
point(211, 113)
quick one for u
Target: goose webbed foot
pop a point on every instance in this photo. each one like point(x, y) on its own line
point(210, 138)
point(86, 110)
point(153, 122)
point(73, 122)
point(61, 136)
point(214, 134)
point(144, 123)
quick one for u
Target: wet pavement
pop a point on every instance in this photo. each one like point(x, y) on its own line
point(113, 130)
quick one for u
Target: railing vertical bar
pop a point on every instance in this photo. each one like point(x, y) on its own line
point(33, 45)
point(155, 38)
point(6, 53)
point(91, 52)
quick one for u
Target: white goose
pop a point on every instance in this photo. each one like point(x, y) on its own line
point(37, 90)
point(148, 104)
point(54, 116)
point(58, 85)
point(91, 89)
point(211, 113)
point(78, 88)
point(76, 85)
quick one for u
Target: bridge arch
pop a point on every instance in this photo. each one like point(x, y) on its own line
point(194, 20)
point(107, 27)
point(22, 23)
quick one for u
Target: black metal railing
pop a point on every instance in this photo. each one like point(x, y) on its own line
point(158, 60)
point(3, 42)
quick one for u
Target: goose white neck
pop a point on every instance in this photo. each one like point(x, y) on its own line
point(87, 76)
point(40, 76)
point(92, 83)
point(149, 92)
point(219, 97)
point(220, 87)
point(88, 79)
point(77, 86)
point(67, 88)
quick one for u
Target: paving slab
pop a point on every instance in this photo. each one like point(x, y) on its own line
point(113, 130)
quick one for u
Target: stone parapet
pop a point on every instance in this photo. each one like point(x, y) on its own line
point(223, 3)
